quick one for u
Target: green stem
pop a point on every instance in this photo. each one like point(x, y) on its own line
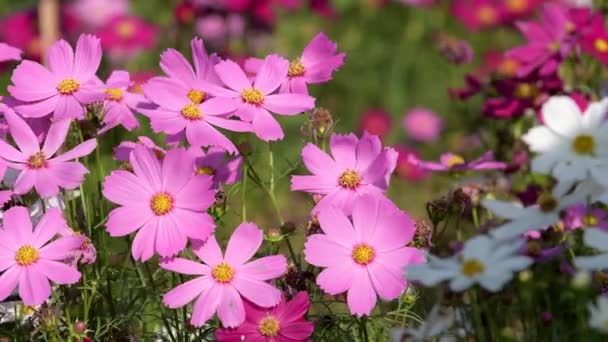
point(150, 277)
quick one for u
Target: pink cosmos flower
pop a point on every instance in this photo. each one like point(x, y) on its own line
point(478, 14)
point(96, 13)
point(8, 53)
point(283, 323)
point(356, 167)
point(165, 202)
point(66, 88)
point(119, 104)
point(254, 101)
point(405, 169)
point(376, 122)
point(29, 261)
point(454, 162)
point(40, 167)
point(594, 40)
point(214, 163)
point(19, 29)
point(422, 125)
point(126, 35)
point(319, 60)
point(364, 257)
point(582, 215)
point(122, 152)
point(224, 280)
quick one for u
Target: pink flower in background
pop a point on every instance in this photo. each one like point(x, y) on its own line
point(214, 163)
point(419, 2)
point(355, 168)
point(185, 13)
point(28, 260)
point(477, 14)
point(122, 152)
point(317, 63)
point(405, 169)
point(516, 9)
point(283, 323)
point(127, 35)
point(422, 125)
point(549, 41)
point(139, 78)
point(5, 195)
point(594, 40)
point(96, 13)
point(376, 122)
point(119, 104)
point(188, 81)
point(224, 280)
point(364, 257)
point(212, 27)
point(165, 202)
point(9, 53)
point(254, 101)
point(454, 162)
point(66, 88)
point(19, 29)
point(582, 216)
point(39, 167)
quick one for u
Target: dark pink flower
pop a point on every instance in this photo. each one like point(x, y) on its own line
point(126, 35)
point(582, 215)
point(594, 40)
point(478, 14)
point(376, 122)
point(406, 169)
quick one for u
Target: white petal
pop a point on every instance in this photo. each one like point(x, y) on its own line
point(596, 262)
point(595, 114)
point(508, 210)
point(495, 282)
point(562, 115)
point(596, 238)
point(568, 170)
point(461, 283)
point(541, 139)
point(524, 224)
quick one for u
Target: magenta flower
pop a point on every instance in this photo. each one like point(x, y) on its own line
point(364, 257)
point(119, 104)
point(124, 36)
point(405, 169)
point(66, 88)
point(422, 125)
point(375, 121)
point(40, 167)
point(224, 280)
point(96, 13)
point(165, 202)
point(29, 261)
point(594, 40)
point(254, 101)
point(454, 162)
point(214, 163)
point(478, 14)
point(122, 152)
point(582, 215)
point(283, 323)
point(317, 63)
point(356, 167)
point(549, 41)
point(9, 53)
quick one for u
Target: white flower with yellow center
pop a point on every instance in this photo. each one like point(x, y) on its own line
point(598, 315)
point(571, 145)
point(483, 260)
point(597, 239)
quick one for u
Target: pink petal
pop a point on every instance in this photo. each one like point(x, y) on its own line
point(22, 134)
point(289, 104)
point(146, 166)
point(272, 73)
point(175, 65)
point(253, 65)
point(26, 90)
point(388, 283)
point(59, 272)
point(61, 248)
point(230, 310)
point(34, 287)
point(337, 278)
point(244, 242)
point(87, 57)
point(55, 136)
point(80, 150)
point(266, 127)
point(232, 75)
point(378, 221)
point(317, 161)
point(258, 292)
point(202, 134)
point(88, 94)
point(8, 281)
point(167, 93)
point(143, 244)
point(343, 149)
point(184, 266)
point(368, 149)
point(342, 199)
point(361, 297)
point(338, 227)
point(322, 251)
point(265, 268)
point(206, 305)
point(228, 124)
point(46, 184)
point(295, 309)
point(318, 50)
point(8, 53)
point(51, 223)
point(68, 108)
point(60, 58)
point(203, 65)
point(196, 194)
point(118, 79)
point(187, 292)
point(125, 220)
point(8, 152)
point(380, 171)
point(25, 181)
point(209, 252)
point(17, 222)
point(218, 106)
point(38, 109)
point(298, 331)
point(170, 240)
point(195, 225)
point(177, 166)
point(123, 187)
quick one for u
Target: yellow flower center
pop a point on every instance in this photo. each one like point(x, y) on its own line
point(590, 220)
point(553, 47)
point(223, 273)
point(601, 45)
point(296, 68)
point(570, 27)
point(161, 203)
point(196, 96)
point(125, 29)
point(517, 5)
point(363, 254)
point(191, 112)
point(526, 91)
point(508, 67)
point(584, 144)
point(350, 179)
point(205, 171)
point(472, 267)
point(114, 94)
point(269, 326)
point(26, 255)
point(252, 96)
point(454, 160)
point(486, 15)
point(547, 202)
point(68, 86)
point(37, 160)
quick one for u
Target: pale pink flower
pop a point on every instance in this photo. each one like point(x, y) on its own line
point(215, 163)
point(122, 152)
point(120, 103)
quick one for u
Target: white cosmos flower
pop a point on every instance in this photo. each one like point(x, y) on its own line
point(571, 146)
point(435, 327)
point(541, 215)
point(598, 239)
point(483, 260)
point(598, 318)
